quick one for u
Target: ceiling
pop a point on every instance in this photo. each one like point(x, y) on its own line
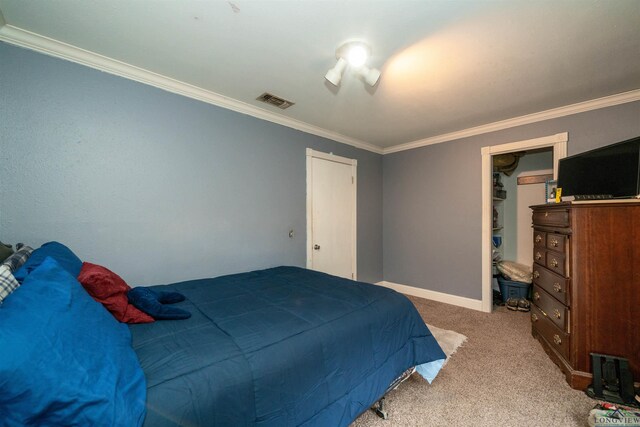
point(447, 66)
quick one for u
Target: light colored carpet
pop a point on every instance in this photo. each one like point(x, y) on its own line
point(449, 340)
point(501, 376)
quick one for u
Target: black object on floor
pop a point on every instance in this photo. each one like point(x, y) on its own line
point(612, 380)
point(497, 298)
point(379, 409)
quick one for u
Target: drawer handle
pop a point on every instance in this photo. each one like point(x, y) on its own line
point(538, 238)
point(536, 296)
point(536, 274)
point(554, 262)
point(554, 243)
point(534, 317)
point(538, 256)
point(556, 339)
point(557, 287)
point(556, 313)
point(546, 214)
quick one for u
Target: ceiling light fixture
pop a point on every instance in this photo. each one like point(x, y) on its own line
point(355, 54)
point(370, 75)
point(334, 75)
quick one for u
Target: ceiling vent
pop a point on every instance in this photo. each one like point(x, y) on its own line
point(275, 100)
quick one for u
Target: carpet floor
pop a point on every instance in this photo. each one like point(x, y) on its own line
point(500, 376)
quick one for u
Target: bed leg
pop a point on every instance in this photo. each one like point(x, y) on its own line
point(379, 409)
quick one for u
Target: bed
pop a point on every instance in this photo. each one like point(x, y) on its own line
point(283, 346)
point(279, 347)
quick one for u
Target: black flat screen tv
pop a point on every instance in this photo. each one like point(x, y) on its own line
point(612, 171)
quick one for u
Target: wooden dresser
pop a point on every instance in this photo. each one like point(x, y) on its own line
point(586, 284)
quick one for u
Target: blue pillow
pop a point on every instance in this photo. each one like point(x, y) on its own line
point(65, 360)
point(59, 252)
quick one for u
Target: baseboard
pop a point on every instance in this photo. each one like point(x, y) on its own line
point(474, 304)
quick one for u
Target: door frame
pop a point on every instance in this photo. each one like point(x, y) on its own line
point(311, 154)
point(559, 144)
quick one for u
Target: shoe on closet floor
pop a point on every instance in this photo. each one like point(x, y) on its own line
point(524, 304)
point(512, 304)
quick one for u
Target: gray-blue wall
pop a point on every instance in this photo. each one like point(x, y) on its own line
point(161, 188)
point(432, 207)
point(156, 186)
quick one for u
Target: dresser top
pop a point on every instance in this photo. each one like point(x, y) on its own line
point(588, 203)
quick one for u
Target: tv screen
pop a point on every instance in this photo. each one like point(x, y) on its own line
point(613, 170)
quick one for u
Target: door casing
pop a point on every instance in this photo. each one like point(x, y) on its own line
point(559, 144)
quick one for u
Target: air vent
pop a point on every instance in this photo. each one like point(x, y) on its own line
point(275, 100)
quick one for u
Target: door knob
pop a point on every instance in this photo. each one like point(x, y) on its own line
point(316, 247)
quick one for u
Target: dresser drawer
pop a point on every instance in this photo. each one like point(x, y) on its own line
point(557, 312)
point(551, 217)
point(556, 338)
point(557, 286)
point(557, 242)
point(556, 262)
point(539, 239)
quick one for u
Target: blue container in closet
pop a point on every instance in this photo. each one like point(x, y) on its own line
point(512, 289)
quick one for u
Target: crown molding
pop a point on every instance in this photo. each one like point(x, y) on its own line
point(48, 46)
point(554, 113)
point(51, 47)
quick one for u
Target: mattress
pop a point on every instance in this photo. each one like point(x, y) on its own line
point(279, 347)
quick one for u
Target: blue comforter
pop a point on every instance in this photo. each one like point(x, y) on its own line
point(279, 347)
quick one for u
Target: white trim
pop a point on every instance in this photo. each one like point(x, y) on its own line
point(473, 304)
point(48, 46)
point(330, 156)
point(580, 107)
point(354, 218)
point(309, 207)
point(559, 144)
point(310, 154)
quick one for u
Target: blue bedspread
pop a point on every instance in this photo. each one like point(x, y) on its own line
point(279, 347)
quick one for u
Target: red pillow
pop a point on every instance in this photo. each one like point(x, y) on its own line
point(110, 290)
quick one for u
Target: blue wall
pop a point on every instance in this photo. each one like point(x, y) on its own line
point(432, 206)
point(156, 186)
point(159, 187)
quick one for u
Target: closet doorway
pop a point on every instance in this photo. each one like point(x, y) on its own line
point(558, 143)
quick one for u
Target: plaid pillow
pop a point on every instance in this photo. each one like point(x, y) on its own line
point(8, 283)
point(5, 251)
point(15, 261)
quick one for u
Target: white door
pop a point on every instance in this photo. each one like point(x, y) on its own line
point(331, 214)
